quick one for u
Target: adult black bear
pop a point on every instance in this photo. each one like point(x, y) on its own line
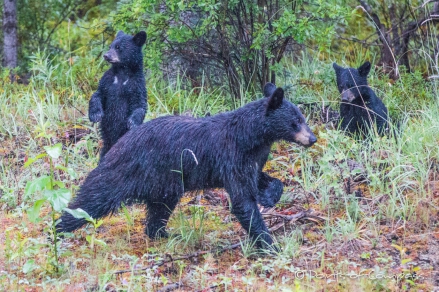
point(161, 159)
point(120, 101)
point(360, 107)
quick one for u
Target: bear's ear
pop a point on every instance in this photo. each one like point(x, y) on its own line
point(337, 68)
point(140, 38)
point(120, 33)
point(364, 69)
point(276, 99)
point(269, 88)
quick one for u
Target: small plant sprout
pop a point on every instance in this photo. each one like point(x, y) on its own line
point(53, 192)
point(91, 239)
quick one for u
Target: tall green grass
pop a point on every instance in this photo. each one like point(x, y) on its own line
point(388, 177)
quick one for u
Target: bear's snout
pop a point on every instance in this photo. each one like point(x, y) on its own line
point(111, 56)
point(312, 139)
point(305, 137)
point(347, 96)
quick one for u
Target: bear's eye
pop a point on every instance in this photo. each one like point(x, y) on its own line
point(117, 47)
point(298, 120)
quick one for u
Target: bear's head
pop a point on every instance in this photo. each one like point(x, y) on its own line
point(283, 120)
point(352, 83)
point(126, 50)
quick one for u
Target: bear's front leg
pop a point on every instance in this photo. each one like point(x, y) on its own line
point(245, 208)
point(95, 110)
point(270, 190)
point(158, 215)
point(136, 118)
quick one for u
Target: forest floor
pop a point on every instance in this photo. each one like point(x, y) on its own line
point(354, 216)
point(209, 252)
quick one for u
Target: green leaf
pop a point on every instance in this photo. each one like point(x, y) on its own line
point(99, 223)
point(100, 242)
point(34, 212)
point(89, 239)
point(365, 255)
point(58, 198)
point(54, 151)
point(405, 261)
point(32, 160)
point(68, 170)
point(38, 184)
point(58, 183)
point(79, 214)
point(397, 247)
point(29, 266)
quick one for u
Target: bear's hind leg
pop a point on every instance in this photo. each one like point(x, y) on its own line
point(157, 217)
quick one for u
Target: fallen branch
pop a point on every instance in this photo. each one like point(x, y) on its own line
point(210, 288)
point(297, 216)
point(185, 257)
point(292, 218)
point(161, 263)
point(230, 247)
point(171, 287)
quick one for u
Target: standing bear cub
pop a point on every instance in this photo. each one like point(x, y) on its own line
point(360, 108)
point(120, 101)
point(158, 161)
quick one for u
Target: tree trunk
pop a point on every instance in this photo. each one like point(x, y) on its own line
point(387, 60)
point(10, 33)
point(227, 62)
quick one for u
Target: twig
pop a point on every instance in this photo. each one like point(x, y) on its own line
point(71, 104)
point(292, 218)
point(286, 217)
point(185, 257)
point(171, 287)
point(230, 247)
point(161, 263)
point(210, 287)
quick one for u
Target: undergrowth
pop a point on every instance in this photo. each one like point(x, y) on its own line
point(369, 207)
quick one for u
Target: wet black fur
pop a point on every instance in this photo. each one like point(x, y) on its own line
point(227, 150)
point(366, 109)
point(120, 101)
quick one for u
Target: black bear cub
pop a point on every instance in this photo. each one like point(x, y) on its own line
point(120, 101)
point(360, 108)
point(158, 161)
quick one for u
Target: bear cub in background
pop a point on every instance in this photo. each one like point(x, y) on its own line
point(360, 108)
point(160, 160)
point(119, 104)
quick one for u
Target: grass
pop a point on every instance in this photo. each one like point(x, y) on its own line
point(371, 206)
